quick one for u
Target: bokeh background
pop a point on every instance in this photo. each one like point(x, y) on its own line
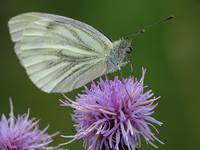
point(169, 51)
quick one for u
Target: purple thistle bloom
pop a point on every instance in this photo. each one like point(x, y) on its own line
point(114, 114)
point(22, 133)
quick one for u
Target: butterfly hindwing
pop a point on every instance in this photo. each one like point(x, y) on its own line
point(58, 53)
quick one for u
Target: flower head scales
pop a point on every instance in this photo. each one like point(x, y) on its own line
point(114, 114)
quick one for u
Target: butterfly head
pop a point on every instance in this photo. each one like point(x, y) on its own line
point(121, 49)
point(124, 46)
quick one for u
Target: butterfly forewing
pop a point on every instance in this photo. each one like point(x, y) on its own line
point(58, 53)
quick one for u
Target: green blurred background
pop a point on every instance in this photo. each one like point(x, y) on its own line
point(170, 52)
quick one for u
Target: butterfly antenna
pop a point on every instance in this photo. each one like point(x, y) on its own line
point(138, 32)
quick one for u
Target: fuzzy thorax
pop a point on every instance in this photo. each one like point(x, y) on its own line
point(116, 58)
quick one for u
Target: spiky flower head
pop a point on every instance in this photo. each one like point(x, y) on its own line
point(22, 133)
point(114, 114)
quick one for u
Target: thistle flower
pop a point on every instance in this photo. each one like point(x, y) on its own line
point(22, 133)
point(114, 114)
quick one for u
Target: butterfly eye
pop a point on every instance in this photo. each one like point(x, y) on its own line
point(130, 49)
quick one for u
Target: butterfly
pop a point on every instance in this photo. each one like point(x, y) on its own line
point(60, 54)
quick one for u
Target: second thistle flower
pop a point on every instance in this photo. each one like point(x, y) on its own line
point(22, 133)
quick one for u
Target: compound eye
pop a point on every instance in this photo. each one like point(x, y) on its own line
point(129, 50)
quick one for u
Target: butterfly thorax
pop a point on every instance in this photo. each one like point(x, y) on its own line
point(117, 55)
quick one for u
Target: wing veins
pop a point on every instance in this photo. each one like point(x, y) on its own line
point(60, 72)
point(76, 72)
point(81, 43)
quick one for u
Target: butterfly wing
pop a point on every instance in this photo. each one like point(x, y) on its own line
point(59, 54)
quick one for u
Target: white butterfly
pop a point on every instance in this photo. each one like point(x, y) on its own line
point(61, 54)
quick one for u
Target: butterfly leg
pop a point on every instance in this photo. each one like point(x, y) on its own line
point(120, 73)
point(131, 66)
point(105, 76)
